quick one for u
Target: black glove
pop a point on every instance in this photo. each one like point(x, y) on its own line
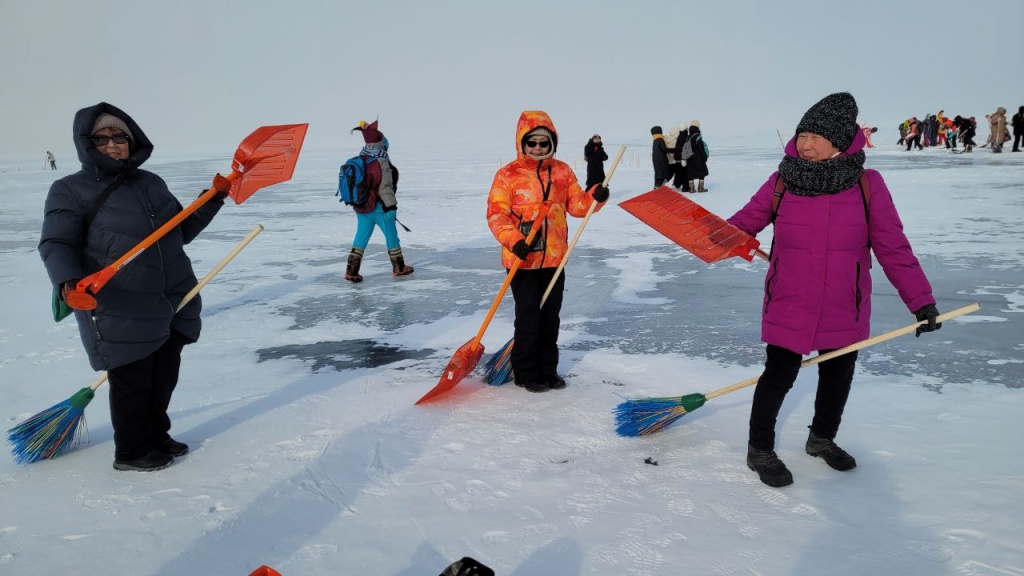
point(928, 312)
point(521, 249)
point(390, 208)
point(601, 193)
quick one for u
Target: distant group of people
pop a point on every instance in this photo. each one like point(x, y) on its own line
point(681, 157)
point(940, 130)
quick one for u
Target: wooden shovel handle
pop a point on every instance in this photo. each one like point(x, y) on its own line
point(576, 237)
point(206, 280)
point(855, 346)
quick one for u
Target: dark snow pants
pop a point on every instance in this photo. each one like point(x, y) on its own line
point(140, 393)
point(535, 351)
point(780, 371)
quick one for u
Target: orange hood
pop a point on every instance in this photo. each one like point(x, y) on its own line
point(529, 121)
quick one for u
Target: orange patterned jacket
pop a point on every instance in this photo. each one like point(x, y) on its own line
point(517, 195)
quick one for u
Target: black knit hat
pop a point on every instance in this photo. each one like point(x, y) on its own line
point(655, 130)
point(833, 117)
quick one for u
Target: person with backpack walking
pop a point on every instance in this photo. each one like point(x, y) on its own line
point(829, 216)
point(377, 185)
point(595, 156)
point(518, 193)
point(697, 162)
point(92, 218)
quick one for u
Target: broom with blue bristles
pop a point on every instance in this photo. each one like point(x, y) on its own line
point(61, 427)
point(645, 416)
point(498, 368)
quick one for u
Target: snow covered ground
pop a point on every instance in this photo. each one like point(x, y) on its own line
point(309, 456)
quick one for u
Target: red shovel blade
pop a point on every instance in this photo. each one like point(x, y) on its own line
point(266, 157)
point(689, 225)
point(264, 571)
point(462, 363)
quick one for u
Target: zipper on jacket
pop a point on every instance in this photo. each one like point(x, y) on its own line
point(768, 288)
point(544, 198)
point(96, 326)
point(857, 317)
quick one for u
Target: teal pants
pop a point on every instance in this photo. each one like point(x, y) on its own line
point(381, 219)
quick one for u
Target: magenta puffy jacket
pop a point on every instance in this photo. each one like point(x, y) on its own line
point(817, 293)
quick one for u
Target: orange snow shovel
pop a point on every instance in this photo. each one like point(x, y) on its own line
point(689, 225)
point(468, 355)
point(265, 157)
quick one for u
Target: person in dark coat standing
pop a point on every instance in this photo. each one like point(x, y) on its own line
point(1018, 129)
point(595, 156)
point(134, 333)
point(697, 165)
point(817, 292)
point(659, 156)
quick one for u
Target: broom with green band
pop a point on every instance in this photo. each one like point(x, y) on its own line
point(498, 368)
point(649, 415)
point(60, 428)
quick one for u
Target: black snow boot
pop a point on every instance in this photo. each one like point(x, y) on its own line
point(769, 468)
point(355, 259)
point(147, 463)
point(827, 450)
point(398, 263)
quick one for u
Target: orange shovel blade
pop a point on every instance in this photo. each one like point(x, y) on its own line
point(462, 363)
point(264, 571)
point(689, 225)
point(266, 157)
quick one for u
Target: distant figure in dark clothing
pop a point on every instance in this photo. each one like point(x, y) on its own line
point(1018, 129)
point(697, 165)
point(595, 155)
point(659, 156)
point(51, 160)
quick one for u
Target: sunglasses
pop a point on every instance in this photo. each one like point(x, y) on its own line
point(538, 144)
point(102, 140)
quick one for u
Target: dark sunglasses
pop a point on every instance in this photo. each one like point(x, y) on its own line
point(102, 140)
point(540, 144)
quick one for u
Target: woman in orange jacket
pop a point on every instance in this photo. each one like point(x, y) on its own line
point(519, 191)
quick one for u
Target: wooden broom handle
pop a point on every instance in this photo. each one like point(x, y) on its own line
point(855, 346)
point(206, 280)
point(579, 232)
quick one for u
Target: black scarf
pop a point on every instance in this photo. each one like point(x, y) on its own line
point(806, 178)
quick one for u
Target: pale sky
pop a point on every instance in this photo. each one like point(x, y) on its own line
point(198, 76)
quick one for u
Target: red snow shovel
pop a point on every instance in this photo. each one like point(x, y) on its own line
point(468, 355)
point(686, 223)
point(265, 157)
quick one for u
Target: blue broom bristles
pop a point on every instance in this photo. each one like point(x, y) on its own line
point(498, 368)
point(647, 415)
point(52, 432)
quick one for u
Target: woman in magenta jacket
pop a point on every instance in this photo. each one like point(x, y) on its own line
point(831, 214)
